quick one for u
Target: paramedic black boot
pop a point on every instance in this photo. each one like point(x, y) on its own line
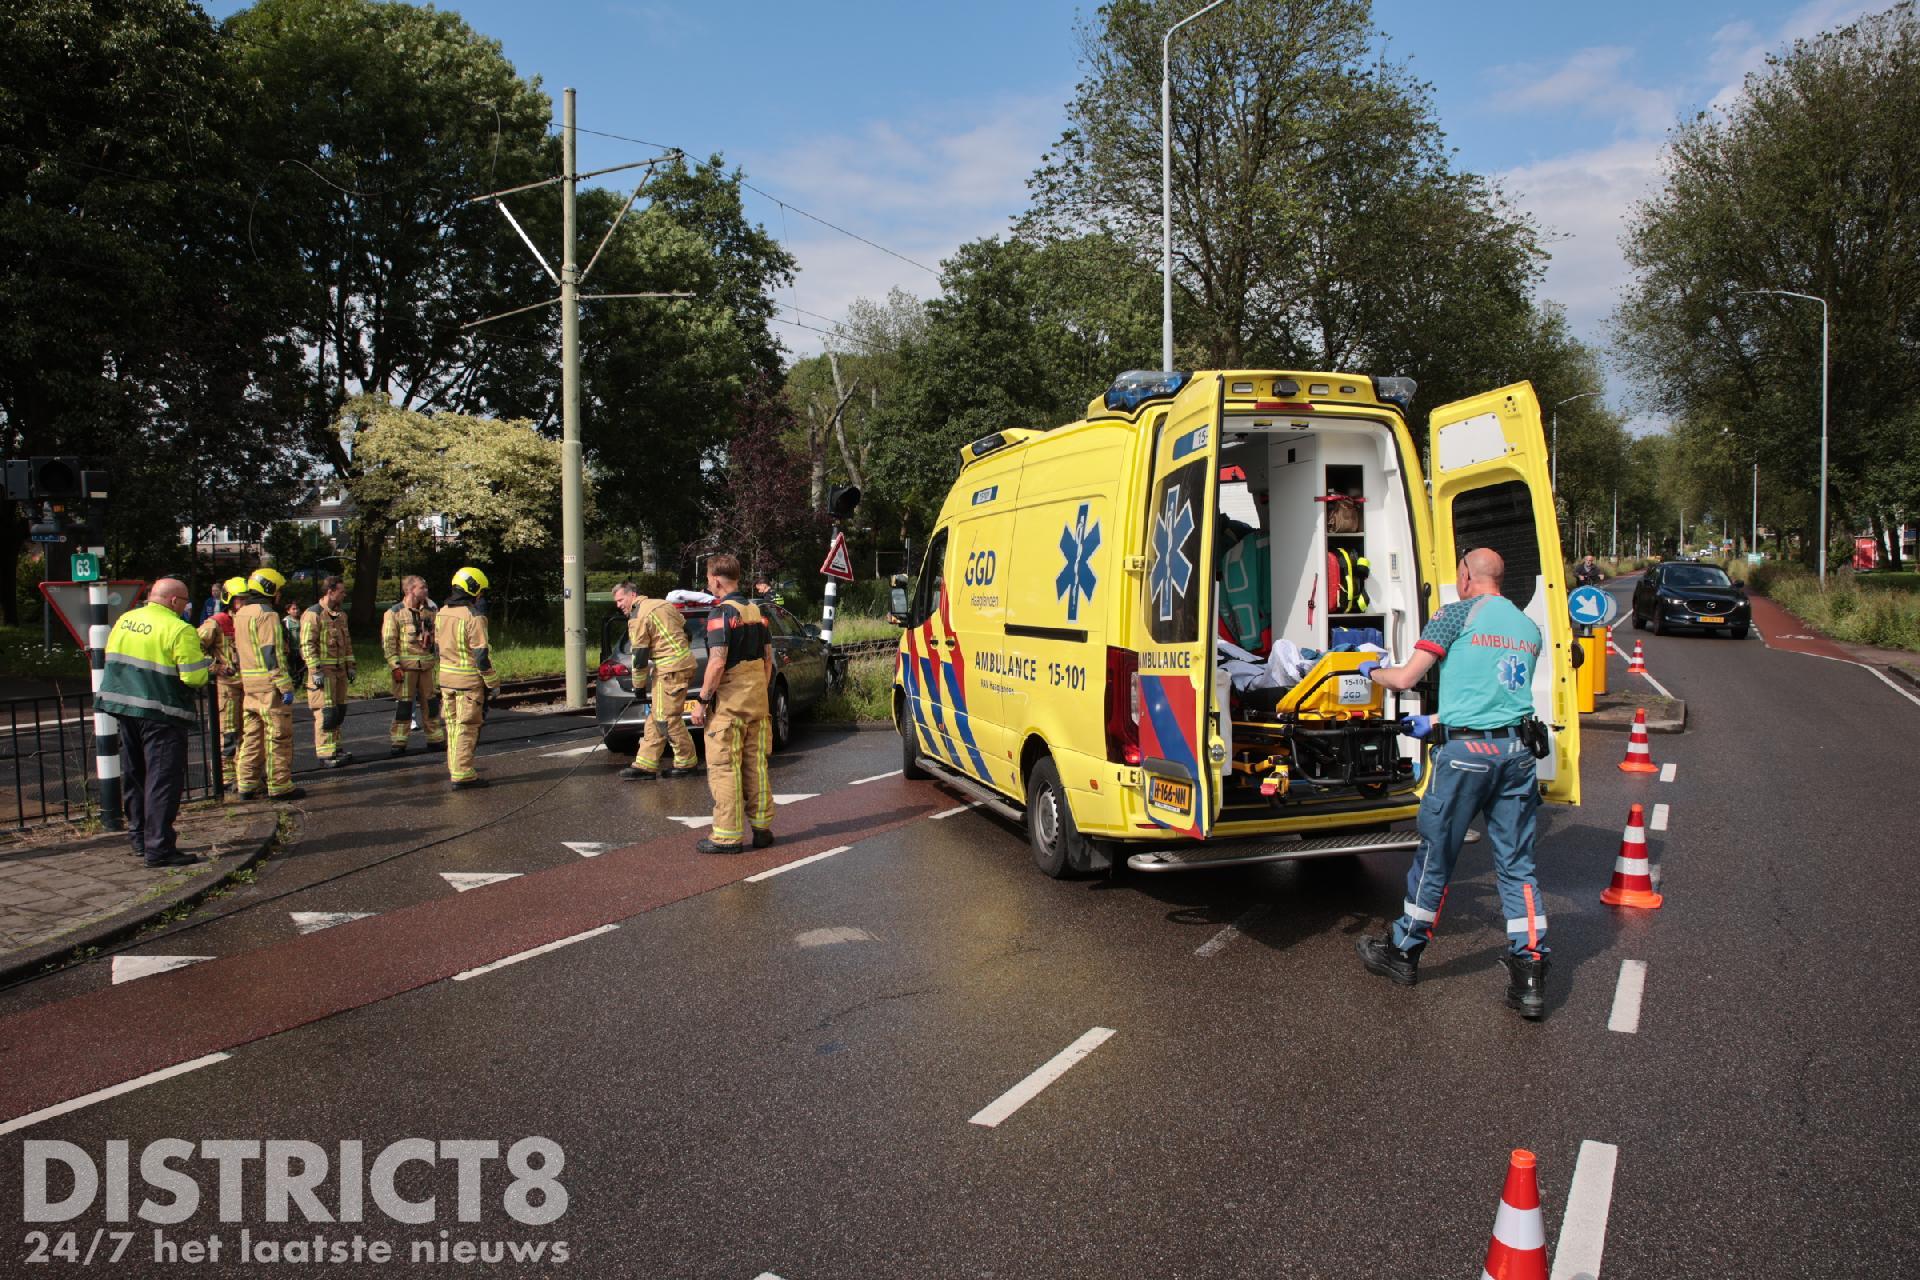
point(1527, 985)
point(1382, 957)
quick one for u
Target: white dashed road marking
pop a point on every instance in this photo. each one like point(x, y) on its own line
point(957, 810)
point(785, 867)
point(861, 782)
point(1659, 821)
point(531, 952)
point(836, 934)
point(572, 751)
point(1583, 1229)
point(1213, 946)
point(1626, 996)
point(1029, 1089)
point(1668, 770)
point(111, 1091)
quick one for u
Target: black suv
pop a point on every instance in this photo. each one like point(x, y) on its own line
point(801, 661)
point(1680, 593)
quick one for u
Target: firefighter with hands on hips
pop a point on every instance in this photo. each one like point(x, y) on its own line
point(656, 630)
point(328, 653)
point(407, 639)
point(266, 717)
point(466, 672)
point(733, 709)
point(216, 639)
point(1483, 763)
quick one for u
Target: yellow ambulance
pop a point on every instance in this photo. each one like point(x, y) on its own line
point(1139, 633)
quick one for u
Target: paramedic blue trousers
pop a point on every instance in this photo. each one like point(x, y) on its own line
point(1471, 776)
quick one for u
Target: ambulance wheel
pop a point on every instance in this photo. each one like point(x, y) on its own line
point(780, 707)
point(910, 766)
point(1059, 850)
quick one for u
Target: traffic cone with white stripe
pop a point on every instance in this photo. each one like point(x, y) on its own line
point(1639, 751)
point(1632, 881)
point(1518, 1250)
point(1637, 664)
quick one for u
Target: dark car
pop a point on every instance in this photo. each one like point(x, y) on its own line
point(801, 661)
point(1680, 593)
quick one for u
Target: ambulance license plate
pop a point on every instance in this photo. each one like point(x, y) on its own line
point(1355, 691)
point(1168, 794)
point(1712, 617)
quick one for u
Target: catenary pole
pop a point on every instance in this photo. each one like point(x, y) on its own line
point(1166, 183)
point(573, 573)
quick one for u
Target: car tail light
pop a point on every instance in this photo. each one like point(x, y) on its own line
point(613, 670)
point(1123, 706)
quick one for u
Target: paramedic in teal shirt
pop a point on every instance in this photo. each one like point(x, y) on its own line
point(1487, 650)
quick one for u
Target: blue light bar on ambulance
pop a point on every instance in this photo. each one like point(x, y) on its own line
point(1397, 391)
point(1137, 386)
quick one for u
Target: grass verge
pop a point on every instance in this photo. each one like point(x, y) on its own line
point(868, 696)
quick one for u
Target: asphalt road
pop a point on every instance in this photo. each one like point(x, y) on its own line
point(776, 1076)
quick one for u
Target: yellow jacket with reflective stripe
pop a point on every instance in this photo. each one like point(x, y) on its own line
point(461, 636)
point(658, 627)
point(323, 638)
point(256, 638)
point(406, 637)
point(154, 662)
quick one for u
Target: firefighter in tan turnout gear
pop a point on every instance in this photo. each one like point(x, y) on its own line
point(466, 672)
point(733, 707)
point(266, 733)
point(328, 652)
point(658, 632)
point(407, 639)
point(216, 639)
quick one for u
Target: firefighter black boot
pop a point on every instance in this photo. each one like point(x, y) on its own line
point(1527, 985)
point(1382, 957)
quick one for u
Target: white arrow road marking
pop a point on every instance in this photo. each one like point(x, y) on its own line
point(1626, 997)
point(572, 751)
point(111, 1091)
point(130, 968)
point(315, 921)
point(465, 880)
point(828, 937)
point(531, 952)
point(1029, 1089)
point(795, 797)
point(797, 862)
point(693, 824)
point(697, 823)
point(586, 848)
point(1583, 1228)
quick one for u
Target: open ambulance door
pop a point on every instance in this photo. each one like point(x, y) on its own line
point(1491, 488)
point(1181, 752)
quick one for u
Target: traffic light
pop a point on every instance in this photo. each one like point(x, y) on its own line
point(55, 479)
point(842, 499)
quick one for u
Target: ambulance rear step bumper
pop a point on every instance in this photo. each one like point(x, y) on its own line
point(1243, 853)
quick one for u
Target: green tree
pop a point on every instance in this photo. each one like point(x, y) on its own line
point(1805, 183)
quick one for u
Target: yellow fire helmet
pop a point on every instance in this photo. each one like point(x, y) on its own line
point(267, 582)
point(470, 580)
point(232, 587)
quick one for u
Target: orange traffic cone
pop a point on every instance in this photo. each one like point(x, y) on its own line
point(1518, 1250)
point(1632, 885)
point(1637, 664)
point(1639, 753)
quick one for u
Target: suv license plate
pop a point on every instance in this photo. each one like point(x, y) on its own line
point(1169, 794)
point(1712, 617)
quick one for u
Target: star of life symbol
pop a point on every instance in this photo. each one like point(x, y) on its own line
point(1076, 581)
point(1172, 571)
point(1512, 672)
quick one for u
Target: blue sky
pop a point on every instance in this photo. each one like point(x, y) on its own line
point(916, 125)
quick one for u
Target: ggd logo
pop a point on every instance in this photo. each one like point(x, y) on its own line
point(981, 566)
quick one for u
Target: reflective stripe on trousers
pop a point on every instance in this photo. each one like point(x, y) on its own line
point(1471, 777)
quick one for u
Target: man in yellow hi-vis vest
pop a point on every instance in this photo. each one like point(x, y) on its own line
point(266, 720)
point(466, 672)
point(658, 634)
point(328, 652)
point(153, 665)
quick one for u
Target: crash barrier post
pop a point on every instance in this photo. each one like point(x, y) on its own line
point(1596, 642)
point(1583, 678)
point(50, 759)
point(1518, 1249)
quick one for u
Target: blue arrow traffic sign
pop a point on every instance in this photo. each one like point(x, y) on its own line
point(1590, 607)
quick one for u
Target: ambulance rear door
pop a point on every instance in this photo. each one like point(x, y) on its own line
point(1491, 488)
point(1178, 741)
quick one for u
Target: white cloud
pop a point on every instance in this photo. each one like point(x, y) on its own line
point(920, 187)
point(1594, 82)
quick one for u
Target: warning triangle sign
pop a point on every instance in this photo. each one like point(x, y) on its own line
point(72, 604)
point(839, 564)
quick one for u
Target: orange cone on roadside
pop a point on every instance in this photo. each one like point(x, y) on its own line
point(1639, 752)
point(1637, 664)
point(1632, 882)
point(1518, 1250)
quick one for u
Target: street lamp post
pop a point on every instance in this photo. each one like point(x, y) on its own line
point(1166, 184)
point(1824, 370)
point(1556, 433)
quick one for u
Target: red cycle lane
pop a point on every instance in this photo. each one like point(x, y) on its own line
point(74, 1047)
point(1781, 630)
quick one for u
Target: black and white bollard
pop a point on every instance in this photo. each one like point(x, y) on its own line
point(826, 610)
point(106, 730)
